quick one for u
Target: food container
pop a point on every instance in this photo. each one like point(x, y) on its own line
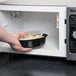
point(34, 42)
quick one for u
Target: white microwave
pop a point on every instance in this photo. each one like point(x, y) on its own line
point(47, 19)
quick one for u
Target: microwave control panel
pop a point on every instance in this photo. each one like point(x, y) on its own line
point(71, 29)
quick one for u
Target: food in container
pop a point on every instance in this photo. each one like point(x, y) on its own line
point(33, 39)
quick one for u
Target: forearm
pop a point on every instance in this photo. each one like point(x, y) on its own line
point(5, 36)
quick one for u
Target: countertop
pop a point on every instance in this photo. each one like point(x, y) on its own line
point(25, 65)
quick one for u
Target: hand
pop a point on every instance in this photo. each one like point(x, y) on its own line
point(16, 44)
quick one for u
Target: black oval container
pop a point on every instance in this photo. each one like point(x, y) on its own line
point(34, 42)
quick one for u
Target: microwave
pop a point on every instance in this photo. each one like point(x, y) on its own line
point(56, 21)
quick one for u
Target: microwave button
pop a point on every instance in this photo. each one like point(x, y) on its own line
point(74, 34)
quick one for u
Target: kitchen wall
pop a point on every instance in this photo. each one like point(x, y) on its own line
point(42, 2)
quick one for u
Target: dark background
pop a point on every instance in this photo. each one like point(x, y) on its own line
point(28, 65)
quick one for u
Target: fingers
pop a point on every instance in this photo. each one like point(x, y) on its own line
point(22, 49)
point(22, 34)
point(26, 49)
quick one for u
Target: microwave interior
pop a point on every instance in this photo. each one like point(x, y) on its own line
point(45, 22)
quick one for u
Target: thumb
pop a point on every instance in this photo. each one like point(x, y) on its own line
point(25, 49)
